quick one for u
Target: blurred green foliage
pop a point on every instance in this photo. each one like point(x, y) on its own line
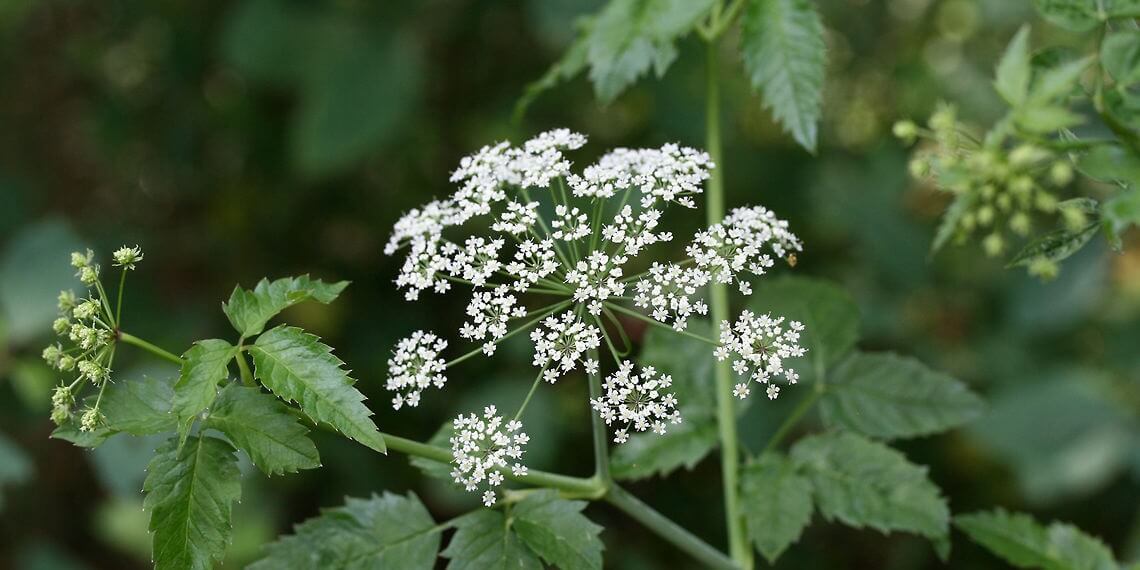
point(250, 138)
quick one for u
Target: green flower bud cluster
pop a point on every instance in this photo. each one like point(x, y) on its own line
point(86, 329)
point(1005, 188)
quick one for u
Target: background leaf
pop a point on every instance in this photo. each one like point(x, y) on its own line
point(884, 395)
point(1013, 70)
point(297, 367)
point(389, 531)
point(863, 483)
point(1120, 56)
point(484, 539)
point(1074, 15)
point(190, 494)
point(556, 530)
point(784, 55)
point(262, 427)
point(1022, 542)
point(777, 504)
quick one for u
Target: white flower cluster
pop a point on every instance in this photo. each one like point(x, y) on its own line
point(596, 279)
point(490, 311)
point(758, 346)
point(87, 330)
point(738, 244)
point(668, 290)
point(482, 448)
point(637, 400)
point(561, 342)
point(415, 365)
point(671, 174)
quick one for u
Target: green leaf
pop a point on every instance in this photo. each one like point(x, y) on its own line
point(1044, 118)
point(647, 454)
point(628, 37)
point(557, 531)
point(203, 367)
point(265, 40)
point(1022, 542)
point(572, 63)
point(863, 483)
point(297, 367)
point(139, 407)
point(1122, 211)
point(948, 227)
point(484, 540)
point(391, 531)
point(262, 427)
point(829, 315)
point(1013, 71)
point(1120, 56)
point(1075, 15)
point(1111, 163)
point(69, 431)
point(690, 363)
point(1058, 81)
point(190, 494)
point(1122, 8)
point(248, 311)
point(1055, 246)
point(784, 55)
point(887, 396)
point(777, 504)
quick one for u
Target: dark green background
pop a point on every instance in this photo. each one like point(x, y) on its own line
point(235, 140)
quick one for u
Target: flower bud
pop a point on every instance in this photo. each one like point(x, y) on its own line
point(993, 244)
point(61, 325)
point(1004, 202)
point(1019, 223)
point(906, 131)
point(919, 167)
point(89, 274)
point(1046, 202)
point(943, 119)
point(1074, 218)
point(66, 301)
point(1026, 155)
point(1044, 269)
point(988, 191)
point(1061, 173)
point(80, 260)
point(985, 215)
point(969, 222)
point(52, 354)
point(1021, 185)
point(90, 420)
point(127, 257)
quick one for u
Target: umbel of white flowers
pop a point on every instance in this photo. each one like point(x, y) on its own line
point(86, 328)
point(569, 238)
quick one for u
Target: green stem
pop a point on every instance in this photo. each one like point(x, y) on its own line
point(119, 301)
point(132, 339)
point(726, 414)
point(530, 394)
point(667, 529)
point(243, 367)
point(660, 324)
point(543, 313)
point(601, 445)
point(790, 422)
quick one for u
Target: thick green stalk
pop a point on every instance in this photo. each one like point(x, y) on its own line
point(726, 414)
point(131, 339)
point(601, 445)
point(667, 529)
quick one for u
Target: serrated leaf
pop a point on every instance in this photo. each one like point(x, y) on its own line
point(629, 37)
point(262, 427)
point(1058, 81)
point(863, 483)
point(190, 494)
point(69, 431)
point(391, 531)
point(484, 539)
point(297, 367)
point(950, 220)
point(139, 407)
point(777, 504)
point(1075, 15)
point(784, 56)
point(557, 531)
point(1055, 246)
point(829, 315)
point(1120, 56)
point(203, 367)
point(572, 63)
point(1013, 71)
point(249, 310)
point(1022, 542)
point(649, 454)
point(690, 362)
point(887, 396)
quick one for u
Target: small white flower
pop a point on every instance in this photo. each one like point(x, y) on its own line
point(668, 293)
point(518, 219)
point(596, 279)
point(639, 401)
point(532, 262)
point(489, 313)
point(483, 449)
point(127, 256)
point(570, 224)
point(759, 346)
point(737, 245)
point(414, 366)
point(561, 342)
point(478, 260)
point(634, 234)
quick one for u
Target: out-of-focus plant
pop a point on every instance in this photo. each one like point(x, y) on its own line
point(1070, 117)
